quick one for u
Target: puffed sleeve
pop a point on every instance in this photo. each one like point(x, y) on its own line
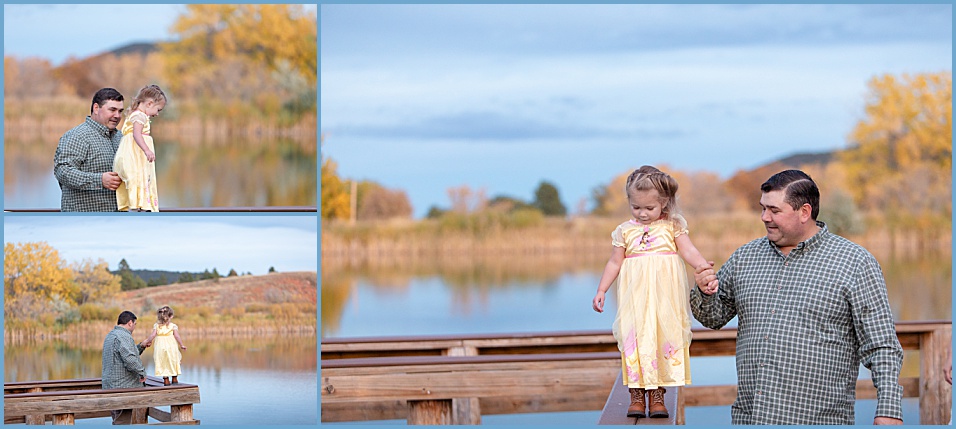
point(617, 237)
point(680, 225)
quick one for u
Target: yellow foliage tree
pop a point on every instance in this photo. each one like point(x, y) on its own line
point(900, 155)
point(94, 282)
point(263, 56)
point(33, 277)
point(335, 198)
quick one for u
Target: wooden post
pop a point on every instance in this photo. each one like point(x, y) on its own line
point(680, 405)
point(935, 394)
point(63, 419)
point(139, 416)
point(465, 411)
point(437, 412)
point(35, 419)
point(180, 413)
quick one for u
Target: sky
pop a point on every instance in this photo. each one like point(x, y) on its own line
point(424, 98)
point(52, 31)
point(176, 243)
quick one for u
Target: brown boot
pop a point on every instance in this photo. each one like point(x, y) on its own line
point(175, 380)
point(638, 407)
point(658, 409)
point(165, 381)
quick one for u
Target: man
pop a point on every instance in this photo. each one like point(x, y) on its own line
point(122, 367)
point(811, 307)
point(83, 162)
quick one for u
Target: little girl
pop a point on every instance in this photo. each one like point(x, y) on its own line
point(652, 326)
point(166, 357)
point(134, 161)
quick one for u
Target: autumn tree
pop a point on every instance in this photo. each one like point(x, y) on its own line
point(260, 56)
point(335, 198)
point(900, 153)
point(94, 281)
point(610, 200)
point(547, 200)
point(375, 202)
point(35, 281)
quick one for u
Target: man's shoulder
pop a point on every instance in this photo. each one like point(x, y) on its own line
point(837, 244)
point(755, 245)
point(79, 131)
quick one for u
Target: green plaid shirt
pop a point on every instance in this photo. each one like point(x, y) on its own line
point(82, 156)
point(122, 367)
point(806, 321)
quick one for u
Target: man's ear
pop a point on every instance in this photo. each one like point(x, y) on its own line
point(806, 211)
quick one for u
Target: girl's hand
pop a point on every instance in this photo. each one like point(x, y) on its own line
point(182, 347)
point(150, 156)
point(598, 303)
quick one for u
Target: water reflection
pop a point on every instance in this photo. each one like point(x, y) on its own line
point(242, 381)
point(237, 173)
point(457, 295)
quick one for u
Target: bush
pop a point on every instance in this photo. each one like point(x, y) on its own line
point(91, 312)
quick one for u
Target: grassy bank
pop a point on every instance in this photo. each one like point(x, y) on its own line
point(437, 241)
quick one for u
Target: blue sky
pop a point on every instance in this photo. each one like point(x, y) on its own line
point(58, 31)
point(500, 97)
point(176, 243)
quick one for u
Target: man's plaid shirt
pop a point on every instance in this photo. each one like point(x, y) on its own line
point(82, 156)
point(122, 367)
point(805, 323)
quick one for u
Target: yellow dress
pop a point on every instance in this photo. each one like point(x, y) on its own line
point(166, 355)
point(138, 190)
point(652, 326)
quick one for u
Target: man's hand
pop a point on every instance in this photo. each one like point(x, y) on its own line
point(142, 379)
point(111, 180)
point(706, 278)
point(887, 421)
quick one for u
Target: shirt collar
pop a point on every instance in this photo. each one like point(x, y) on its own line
point(100, 128)
point(811, 242)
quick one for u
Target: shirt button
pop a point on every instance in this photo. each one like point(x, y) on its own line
point(773, 311)
point(766, 337)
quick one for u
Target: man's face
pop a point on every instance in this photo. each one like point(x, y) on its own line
point(784, 225)
point(109, 114)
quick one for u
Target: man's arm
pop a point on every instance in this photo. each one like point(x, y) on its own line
point(71, 153)
point(714, 311)
point(880, 349)
point(129, 352)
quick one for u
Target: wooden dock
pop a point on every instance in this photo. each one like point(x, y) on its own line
point(64, 401)
point(456, 379)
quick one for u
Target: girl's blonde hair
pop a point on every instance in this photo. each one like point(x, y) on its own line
point(164, 314)
point(649, 178)
point(149, 92)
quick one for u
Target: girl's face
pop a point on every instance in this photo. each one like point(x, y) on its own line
point(152, 107)
point(645, 206)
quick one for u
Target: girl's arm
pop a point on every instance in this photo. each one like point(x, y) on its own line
point(178, 340)
point(149, 339)
point(611, 270)
point(138, 137)
point(692, 256)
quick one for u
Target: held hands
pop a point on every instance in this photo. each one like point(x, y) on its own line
point(706, 278)
point(598, 303)
point(111, 180)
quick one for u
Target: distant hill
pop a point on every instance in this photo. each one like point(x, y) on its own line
point(817, 158)
point(141, 48)
point(268, 289)
point(171, 276)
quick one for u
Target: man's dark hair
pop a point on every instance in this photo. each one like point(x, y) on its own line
point(125, 317)
point(799, 189)
point(104, 95)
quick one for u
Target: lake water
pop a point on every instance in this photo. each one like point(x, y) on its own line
point(462, 297)
point(233, 174)
point(252, 381)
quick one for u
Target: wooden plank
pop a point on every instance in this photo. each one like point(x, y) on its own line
point(158, 414)
point(140, 416)
point(483, 378)
point(382, 364)
point(615, 408)
point(187, 422)
point(432, 412)
point(99, 400)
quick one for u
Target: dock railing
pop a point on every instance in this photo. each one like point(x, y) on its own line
point(456, 379)
point(64, 401)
